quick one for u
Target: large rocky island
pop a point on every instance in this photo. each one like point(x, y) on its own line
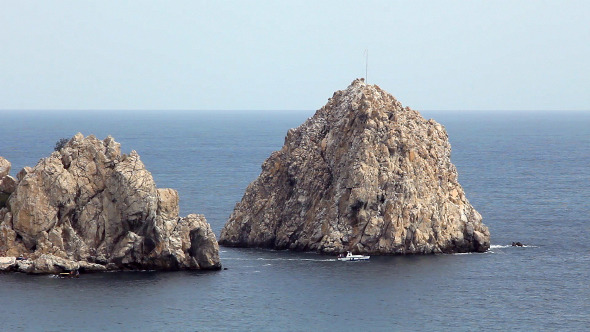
point(87, 207)
point(364, 174)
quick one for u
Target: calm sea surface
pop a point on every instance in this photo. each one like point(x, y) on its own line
point(527, 173)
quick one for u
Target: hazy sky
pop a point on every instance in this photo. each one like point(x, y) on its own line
point(292, 55)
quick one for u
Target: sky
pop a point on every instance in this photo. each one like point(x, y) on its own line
point(292, 55)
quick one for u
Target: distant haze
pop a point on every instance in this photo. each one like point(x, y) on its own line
point(292, 55)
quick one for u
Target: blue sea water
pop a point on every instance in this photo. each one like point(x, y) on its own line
point(527, 173)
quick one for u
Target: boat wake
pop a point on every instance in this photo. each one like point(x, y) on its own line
point(498, 246)
point(279, 259)
point(494, 247)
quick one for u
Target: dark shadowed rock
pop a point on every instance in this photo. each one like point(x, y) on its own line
point(7, 184)
point(363, 174)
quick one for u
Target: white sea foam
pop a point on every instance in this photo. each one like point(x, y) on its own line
point(498, 246)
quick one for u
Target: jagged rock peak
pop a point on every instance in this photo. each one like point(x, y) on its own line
point(4, 167)
point(88, 206)
point(363, 174)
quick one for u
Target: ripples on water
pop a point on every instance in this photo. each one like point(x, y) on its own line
point(526, 173)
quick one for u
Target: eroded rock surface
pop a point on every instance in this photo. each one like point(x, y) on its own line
point(7, 182)
point(4, 167)
point(363, 174)
point(89, 207)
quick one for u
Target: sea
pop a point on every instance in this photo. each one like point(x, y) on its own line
point(526, 172)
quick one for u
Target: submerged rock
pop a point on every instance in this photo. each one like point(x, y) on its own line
point(89, 207)
point(363, 174)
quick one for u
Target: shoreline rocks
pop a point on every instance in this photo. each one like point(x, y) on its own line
point(88, 207)
point(7, 263)
point(364, 174)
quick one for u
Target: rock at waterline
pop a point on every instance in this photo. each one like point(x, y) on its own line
point(7, 263)
point(364, 174)
point(89, 207)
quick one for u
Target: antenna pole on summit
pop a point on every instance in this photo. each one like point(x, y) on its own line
point(366, 64)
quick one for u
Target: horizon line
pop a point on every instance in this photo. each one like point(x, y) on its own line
point(278, 110)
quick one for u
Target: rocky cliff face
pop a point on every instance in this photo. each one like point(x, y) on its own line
point(89, 207)
point(7, 182)
point(363, 174)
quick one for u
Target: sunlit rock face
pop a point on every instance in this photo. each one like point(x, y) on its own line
point(363, 174)
point(87, 206)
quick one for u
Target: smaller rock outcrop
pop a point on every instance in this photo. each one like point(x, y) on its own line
point(88, 207)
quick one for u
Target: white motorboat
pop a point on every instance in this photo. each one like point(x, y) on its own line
point(350, 257)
